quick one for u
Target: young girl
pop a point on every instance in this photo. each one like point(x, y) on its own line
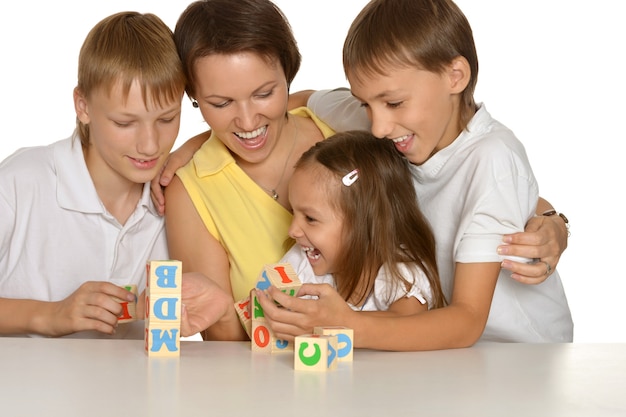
point(358, 227)
point(472, 177)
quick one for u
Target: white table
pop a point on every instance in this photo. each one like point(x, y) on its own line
point(71, 377)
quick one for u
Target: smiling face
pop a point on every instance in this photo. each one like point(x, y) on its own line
point(317, 226)
point(243, 98)
point(129, 140)
point(417, 109)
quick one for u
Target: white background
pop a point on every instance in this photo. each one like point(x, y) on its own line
point(549, 69)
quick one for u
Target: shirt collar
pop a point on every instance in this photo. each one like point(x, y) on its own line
point(75, 189)
point(212, 157)
point(430, 169)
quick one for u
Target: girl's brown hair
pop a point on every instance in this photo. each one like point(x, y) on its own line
point(128, 47)
point(427, 34)
point(383, 224)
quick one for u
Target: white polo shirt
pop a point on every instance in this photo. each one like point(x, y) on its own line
point(55, 233)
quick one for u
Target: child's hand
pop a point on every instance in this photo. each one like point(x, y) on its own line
point(204, 303)
point(299, 316)
point(91, 307)
point(163, 179)
point(177, 159)
point(156, 190)
point(545, 239)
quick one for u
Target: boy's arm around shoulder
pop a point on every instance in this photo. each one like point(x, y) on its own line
point(177, 159)
point(299, 99)
point(339, 109)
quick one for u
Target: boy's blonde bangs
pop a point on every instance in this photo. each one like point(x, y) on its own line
point(129, 47)
point(156, 88)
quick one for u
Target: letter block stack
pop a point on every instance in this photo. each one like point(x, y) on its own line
point(163, 308)
point(283, 277)
point(319, 351)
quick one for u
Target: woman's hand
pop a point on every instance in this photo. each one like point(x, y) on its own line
point(204, 303)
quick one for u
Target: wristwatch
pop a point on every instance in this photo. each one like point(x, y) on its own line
point(549, 213)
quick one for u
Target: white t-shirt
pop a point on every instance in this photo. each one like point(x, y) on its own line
point(386, 291)
point(55, 233)
point(347, 112)
point(472, 192)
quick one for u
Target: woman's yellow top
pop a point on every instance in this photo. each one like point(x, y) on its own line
point(251, 226)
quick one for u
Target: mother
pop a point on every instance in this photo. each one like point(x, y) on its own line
point(227, 211)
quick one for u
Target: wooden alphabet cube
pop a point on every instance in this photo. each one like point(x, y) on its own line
point(261, 338)
point(242, 307)
point(162, 340)
point(263, 281)
point(129, 308)
point(163, 308)
point(315, 352)
point(280, 345)
point(283, 277)
point(164, 276)
point(345, 337)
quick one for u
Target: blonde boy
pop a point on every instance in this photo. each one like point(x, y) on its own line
point(77, 222)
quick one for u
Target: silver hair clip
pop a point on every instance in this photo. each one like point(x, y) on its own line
point(350, 177)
